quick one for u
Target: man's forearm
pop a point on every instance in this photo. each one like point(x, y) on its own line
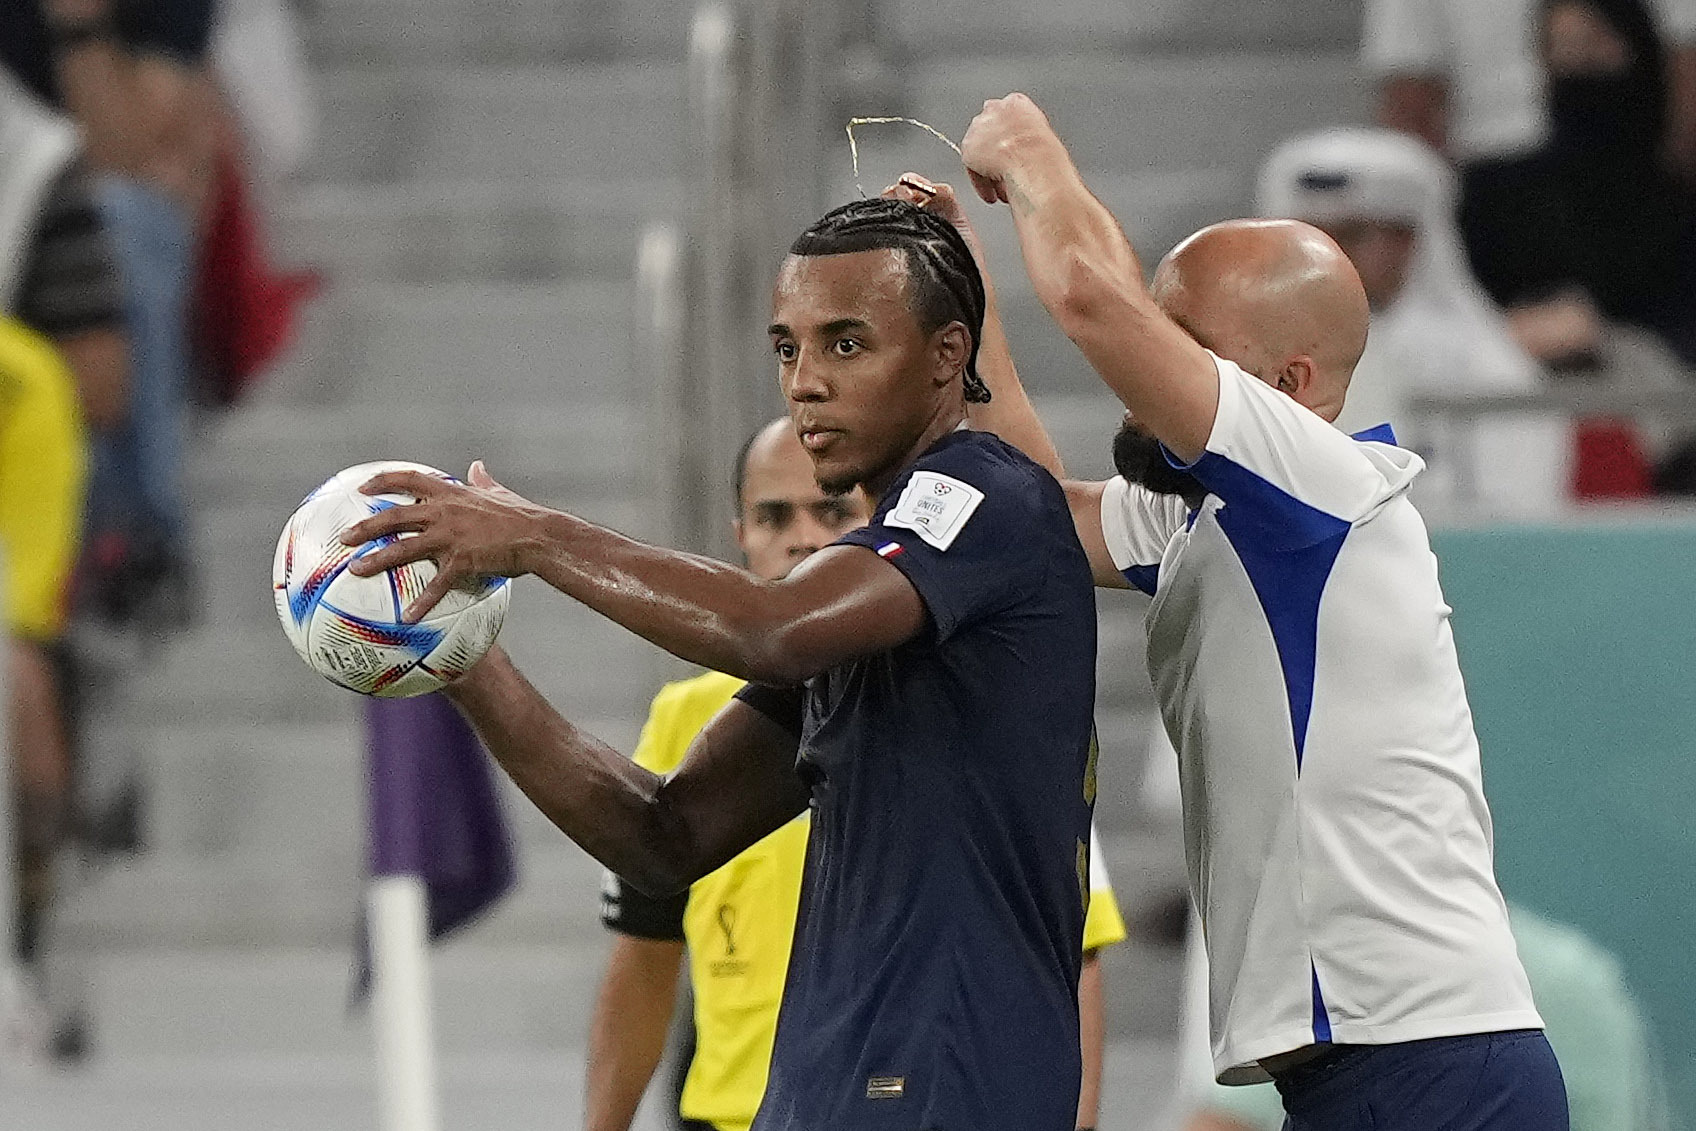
point(1092, 1033)
point(627, 1033)
point(1009, 413)
point(596, 796)
point(697, 608)
point(1072, 245)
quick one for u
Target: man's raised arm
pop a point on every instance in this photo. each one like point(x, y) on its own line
point(1087, 276)
point(661, 833)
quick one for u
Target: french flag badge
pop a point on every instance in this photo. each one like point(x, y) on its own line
point(890, 550)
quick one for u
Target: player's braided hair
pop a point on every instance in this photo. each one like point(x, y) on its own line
point(944, 278)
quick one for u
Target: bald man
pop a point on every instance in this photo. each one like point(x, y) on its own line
point(1337, 838)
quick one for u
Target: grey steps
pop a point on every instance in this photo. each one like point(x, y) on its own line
point(281, 1001)
point(438, 230)
point(308, 896)
point(494, 991)
point(247, 673)
point(1155, 113)
point(947, 27)
point(272, 454)
point(609, 122)
point(515, 1090)
point(299, 790)
point(467, 344)
point(423, 32)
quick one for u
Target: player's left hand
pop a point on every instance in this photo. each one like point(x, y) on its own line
point(1006, 133)
point(474, 529)
point(937, 197)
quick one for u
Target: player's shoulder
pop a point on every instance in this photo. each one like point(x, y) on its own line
point(993, 467)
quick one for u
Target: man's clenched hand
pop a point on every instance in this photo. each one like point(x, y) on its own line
point(1008, 133)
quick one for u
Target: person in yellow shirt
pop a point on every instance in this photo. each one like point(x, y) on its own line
point(735, 925)
point(42, 467)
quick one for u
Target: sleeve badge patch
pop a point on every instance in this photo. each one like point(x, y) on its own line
point(934, 506)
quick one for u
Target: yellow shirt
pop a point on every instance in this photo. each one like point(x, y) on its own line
point(740, 921)
point(43, 458)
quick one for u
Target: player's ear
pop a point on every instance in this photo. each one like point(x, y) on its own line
point(953, 350)
point(737, 529)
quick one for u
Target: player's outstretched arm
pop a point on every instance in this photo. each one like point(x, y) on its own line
point(736, 784)
point(1009, 413)
point(1088, 277)
point(842, 603)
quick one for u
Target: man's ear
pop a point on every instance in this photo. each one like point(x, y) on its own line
point(953, 351)
point(736, 528)
point(1296, 377)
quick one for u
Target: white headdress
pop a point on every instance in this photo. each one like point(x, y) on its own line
point(1441, 333)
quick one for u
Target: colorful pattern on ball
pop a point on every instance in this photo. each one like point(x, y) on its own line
point(348, 628)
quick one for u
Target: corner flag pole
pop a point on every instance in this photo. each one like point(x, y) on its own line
point(440, 856)
point(398, 913)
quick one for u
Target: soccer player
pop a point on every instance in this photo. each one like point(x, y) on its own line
point(926, 684)
point(1338, 842)
point(737, 923)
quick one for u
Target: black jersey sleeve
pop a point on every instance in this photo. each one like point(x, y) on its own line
point(629, 912)
point(782, 705)
point(969, 526)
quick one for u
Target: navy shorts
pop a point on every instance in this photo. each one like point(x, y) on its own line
point(1487, 1082)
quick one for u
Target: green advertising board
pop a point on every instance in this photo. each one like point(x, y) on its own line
point(1578, 645)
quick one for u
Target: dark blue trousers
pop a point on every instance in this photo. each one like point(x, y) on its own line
point(1487, 1082)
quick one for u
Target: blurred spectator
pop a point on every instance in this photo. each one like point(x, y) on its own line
point(59, 278)
point(1470, 78)
point(133, 75)
point(42, 457)
point(57, 271)
point(1593, 1021)
point(261, 66)
point(1388, 200)
point(1622, 223)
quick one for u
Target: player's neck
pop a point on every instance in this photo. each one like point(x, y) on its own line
point(946, 420)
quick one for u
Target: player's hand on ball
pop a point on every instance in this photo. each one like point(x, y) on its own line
point(1006, 133)
point(475, 529)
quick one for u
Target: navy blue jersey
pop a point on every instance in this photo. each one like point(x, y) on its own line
point(933, 981)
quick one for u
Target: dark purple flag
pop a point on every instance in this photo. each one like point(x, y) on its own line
point(434, 811)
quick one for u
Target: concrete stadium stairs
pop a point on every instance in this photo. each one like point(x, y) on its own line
point(480, 179)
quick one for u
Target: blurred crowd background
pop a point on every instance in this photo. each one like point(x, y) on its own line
point(246, 243)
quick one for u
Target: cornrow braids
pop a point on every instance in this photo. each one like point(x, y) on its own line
point(944, 278)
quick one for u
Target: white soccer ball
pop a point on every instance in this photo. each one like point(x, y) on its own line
point(349, 629)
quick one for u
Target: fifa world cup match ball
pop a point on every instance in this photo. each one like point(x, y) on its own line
point(349, 629)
